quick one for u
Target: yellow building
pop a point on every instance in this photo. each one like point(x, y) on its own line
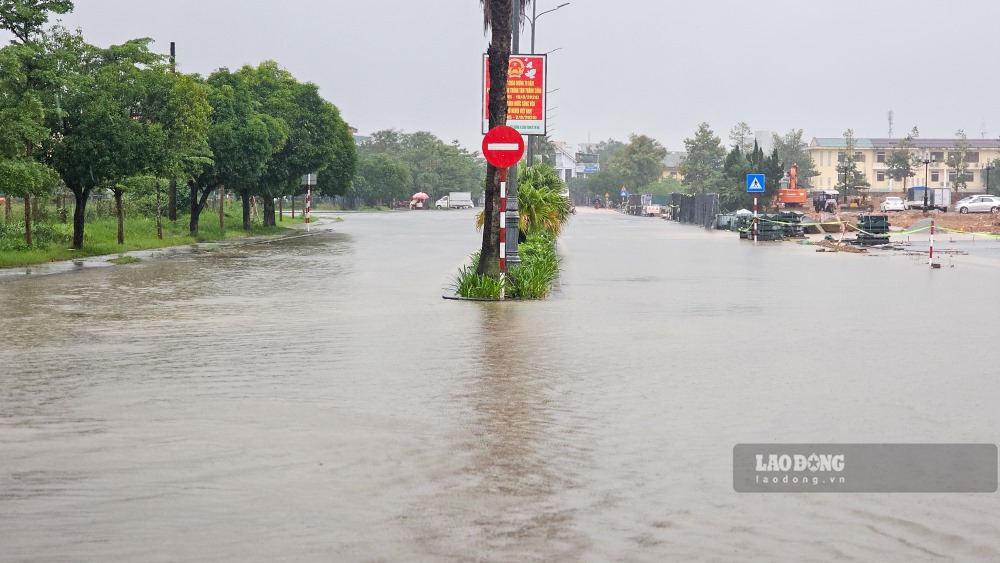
point(672, 164)
point(871, 156)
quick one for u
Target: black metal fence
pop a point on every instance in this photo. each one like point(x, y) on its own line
point(698, 209)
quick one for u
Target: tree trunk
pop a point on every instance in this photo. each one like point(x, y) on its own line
point(195, 209)
point(159, 213)
point(222, 209)
point(269, 212)
point(499, 55)
point(172, 201)
point(120, 213)
point(27, 220)
point(245, 194)
point(80, 196)
point(293, 207)
point(281, 209)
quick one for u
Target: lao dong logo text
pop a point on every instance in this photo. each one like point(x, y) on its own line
point(796, 468)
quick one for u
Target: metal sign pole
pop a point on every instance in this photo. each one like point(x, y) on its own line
point(503, 229)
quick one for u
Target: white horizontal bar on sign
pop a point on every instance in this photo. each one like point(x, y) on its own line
point(502, 146)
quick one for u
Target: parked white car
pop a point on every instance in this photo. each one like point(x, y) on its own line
point(892, 203)
point(978, 204)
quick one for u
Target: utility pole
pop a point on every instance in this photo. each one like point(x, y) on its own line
point(531, 138)
point(513, 219)
point(172, 191)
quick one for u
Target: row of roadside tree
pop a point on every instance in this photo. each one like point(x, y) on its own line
point(94, 119)
point(707, 167)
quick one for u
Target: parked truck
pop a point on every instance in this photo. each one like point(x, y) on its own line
point(455, 200)
point(937, 198)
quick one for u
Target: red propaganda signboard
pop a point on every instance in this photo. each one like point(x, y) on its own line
point(525, 93)
point(503, 146)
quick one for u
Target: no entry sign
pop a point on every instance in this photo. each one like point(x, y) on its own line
point(503, 146)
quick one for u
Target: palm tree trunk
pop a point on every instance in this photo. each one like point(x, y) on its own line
point(499, 55)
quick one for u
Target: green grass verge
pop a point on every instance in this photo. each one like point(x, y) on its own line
point(52, 241)
point(533, 279)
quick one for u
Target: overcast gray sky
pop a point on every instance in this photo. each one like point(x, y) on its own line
point(654, 67)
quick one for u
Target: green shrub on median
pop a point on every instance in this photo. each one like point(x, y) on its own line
point(534, 278)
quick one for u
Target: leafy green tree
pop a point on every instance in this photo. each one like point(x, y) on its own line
point(852, 179)
point(793, 150)
point(385, 141)
point(742, 136)
point(702, 169)
point(640, 162)
point(22, 114)
point(25, 178)
point(242, 140)
point(315, 131)
point(187, 119)
point(380, 179)
point(26, 84)
point(664, 186)
point(732, 193)
point(606, 150)
point(604, 182)
point(435, 167)
point(106, 131)
point(336, 174)
point(958, 160)
point(900, 161)
point(25, 18)
point(773, 168)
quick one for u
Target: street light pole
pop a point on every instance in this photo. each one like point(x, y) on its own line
point(512, 218)
point(533, 19)
point(927, 160)
point(987, 168)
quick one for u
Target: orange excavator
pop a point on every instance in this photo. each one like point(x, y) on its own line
point(791, 195)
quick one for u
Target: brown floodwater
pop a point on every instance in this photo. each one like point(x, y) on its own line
point(315, 399)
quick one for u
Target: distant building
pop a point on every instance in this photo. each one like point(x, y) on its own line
point(565, 161)
point(871, 157)
point(672, 164)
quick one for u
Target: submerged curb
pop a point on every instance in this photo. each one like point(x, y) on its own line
point(456, 297)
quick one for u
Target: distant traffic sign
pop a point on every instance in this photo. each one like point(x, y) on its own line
point(503, 146)
point(755, 183)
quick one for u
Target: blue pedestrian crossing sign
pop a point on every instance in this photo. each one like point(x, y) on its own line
point(755, 183)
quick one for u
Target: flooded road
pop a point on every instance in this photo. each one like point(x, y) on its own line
point(315, 399)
